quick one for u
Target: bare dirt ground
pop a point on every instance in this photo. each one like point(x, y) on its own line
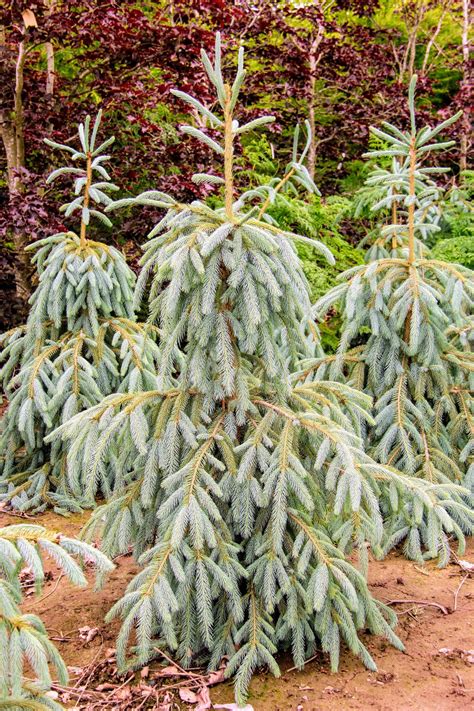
point(436, 623)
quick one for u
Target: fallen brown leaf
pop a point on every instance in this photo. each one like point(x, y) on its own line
point(170, 670)
point(88, 633)
point(215, 677)
point(204, 700)
point(75, 671)
point(124, 693)
point(106, 687)
point(29, 18)
point(189, 696)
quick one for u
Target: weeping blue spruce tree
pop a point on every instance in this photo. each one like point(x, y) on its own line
point(407, 342)
point(81, 340)
point(236, 471)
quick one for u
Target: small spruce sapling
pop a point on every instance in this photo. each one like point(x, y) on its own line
point(23, 637)
point(384, 194)
point(237, 469)
point(414, 362)
point(80, 342)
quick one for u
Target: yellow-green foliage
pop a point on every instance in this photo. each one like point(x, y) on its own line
point(310, 215)
point(459, 250)
point(320, 218)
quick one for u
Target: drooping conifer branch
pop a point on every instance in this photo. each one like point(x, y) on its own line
point(26, 650)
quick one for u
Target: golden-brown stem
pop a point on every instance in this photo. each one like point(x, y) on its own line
point(86, 196)
point(411, 207)
point(228, 155)
point(394, 222)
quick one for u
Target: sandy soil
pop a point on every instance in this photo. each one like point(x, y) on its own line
point(435, 672)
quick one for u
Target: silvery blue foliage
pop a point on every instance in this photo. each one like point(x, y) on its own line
point(389, 192)
point(407, 342)
point(24, 640)
point(80, 342)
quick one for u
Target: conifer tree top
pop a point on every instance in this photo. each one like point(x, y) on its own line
point(408, 184)
point(92, 181)
point(226, 280)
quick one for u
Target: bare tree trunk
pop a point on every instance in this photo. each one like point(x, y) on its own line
point(7, 129)
point(12, 133)
point(18, 116)
point(12, 128)
point(413, 26)
point(314, 60)
point(432, 40)
point(412, 53)
point(312, 117)
point(9, 142)
point(50, 68)
point(466, 124)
